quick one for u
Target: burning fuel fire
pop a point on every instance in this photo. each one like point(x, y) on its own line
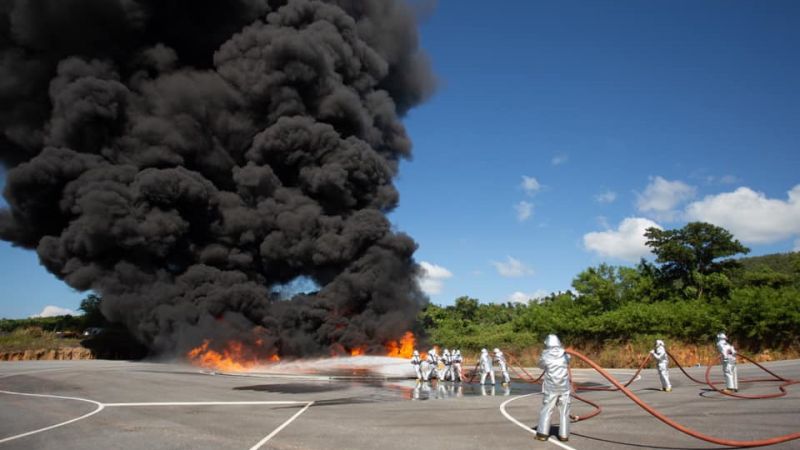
point(235, 357)
point(402, 349)
point(238, 357)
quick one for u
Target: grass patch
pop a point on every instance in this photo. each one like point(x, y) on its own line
point(33, 338)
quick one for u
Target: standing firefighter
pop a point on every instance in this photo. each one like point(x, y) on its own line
point(416, 362)
point(501, 361)
point(447, 360)
point(486, 366)
point(662, 363)
point(728, 356)
point(555, 388)
point(433, 365)
point(457, 360)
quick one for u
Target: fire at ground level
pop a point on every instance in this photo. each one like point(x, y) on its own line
point(137, 405)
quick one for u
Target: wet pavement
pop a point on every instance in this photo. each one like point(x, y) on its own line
point(141, 405)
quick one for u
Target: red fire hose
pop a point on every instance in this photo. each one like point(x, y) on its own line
point(528, 378)
point(617, 386)
point(626, 384)
point(713, 384)
point(677, 426)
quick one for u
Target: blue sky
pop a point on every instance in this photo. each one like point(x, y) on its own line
point(562, 129)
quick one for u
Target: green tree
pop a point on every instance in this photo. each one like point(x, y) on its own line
point(606, 287)
point(92, 316)
point(690, 257)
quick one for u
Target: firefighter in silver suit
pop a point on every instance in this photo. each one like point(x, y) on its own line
point(659, 353)
point(447, 360)
point(457, 360)
point(433, 365)
point(728, 356)
point(416, 362)
point(556, 388)
point(501, 361)
point(486, 366)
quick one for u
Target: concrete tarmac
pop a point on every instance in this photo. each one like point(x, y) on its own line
point(142, 405)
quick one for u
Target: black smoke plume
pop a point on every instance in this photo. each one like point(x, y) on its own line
point(186, 159)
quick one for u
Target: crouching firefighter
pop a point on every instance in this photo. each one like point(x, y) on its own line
point(555, 389)
point(728, 356)
point(659, 353)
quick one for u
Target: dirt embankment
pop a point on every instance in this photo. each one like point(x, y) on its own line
point(630, 355)
point(47, 354)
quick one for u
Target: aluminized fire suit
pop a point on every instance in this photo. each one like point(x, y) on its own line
point(433, 365)
point(555, 388)
point(501, 361)
point(728, 356)
point(447, 360)
point(486, 366)
point(457, 360)
point(662, 363)
point(416, 362)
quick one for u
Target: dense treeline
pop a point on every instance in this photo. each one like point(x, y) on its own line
point(689, 294)
point(91, 317)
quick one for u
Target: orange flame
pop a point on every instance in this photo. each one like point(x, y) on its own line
point(402, 349)
point(235, 357)
point(358, 351)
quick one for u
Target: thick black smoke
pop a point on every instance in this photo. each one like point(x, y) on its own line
point(185, 159)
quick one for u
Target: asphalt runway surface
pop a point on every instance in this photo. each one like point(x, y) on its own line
point(142, 405)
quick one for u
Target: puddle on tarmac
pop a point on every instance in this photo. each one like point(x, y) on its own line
point(434, 390)
point(293, 388)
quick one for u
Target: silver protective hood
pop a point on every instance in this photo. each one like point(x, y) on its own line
point(552, 341)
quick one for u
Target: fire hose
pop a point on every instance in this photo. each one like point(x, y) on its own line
point(617, 386)
point(713, 384)
point(626, 384)
point(530, 379)
point(683, 429)
point(623, 387)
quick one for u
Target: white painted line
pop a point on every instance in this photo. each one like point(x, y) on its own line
point(100, 407)
point(283, 425)
point(525, 427)
point(287, 402)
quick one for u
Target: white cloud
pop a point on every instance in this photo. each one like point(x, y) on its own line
point(627, 242)
point(52, 311)
point(750, 215)
point(512, 268)
point(524, 210)
point(560, 158)
point(606, 197)
point(431, 280)
point(662, 196)
point(796, 245)
point(522, 297)
point(530, 185)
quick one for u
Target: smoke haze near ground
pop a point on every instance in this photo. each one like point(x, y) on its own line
point(187, 159)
